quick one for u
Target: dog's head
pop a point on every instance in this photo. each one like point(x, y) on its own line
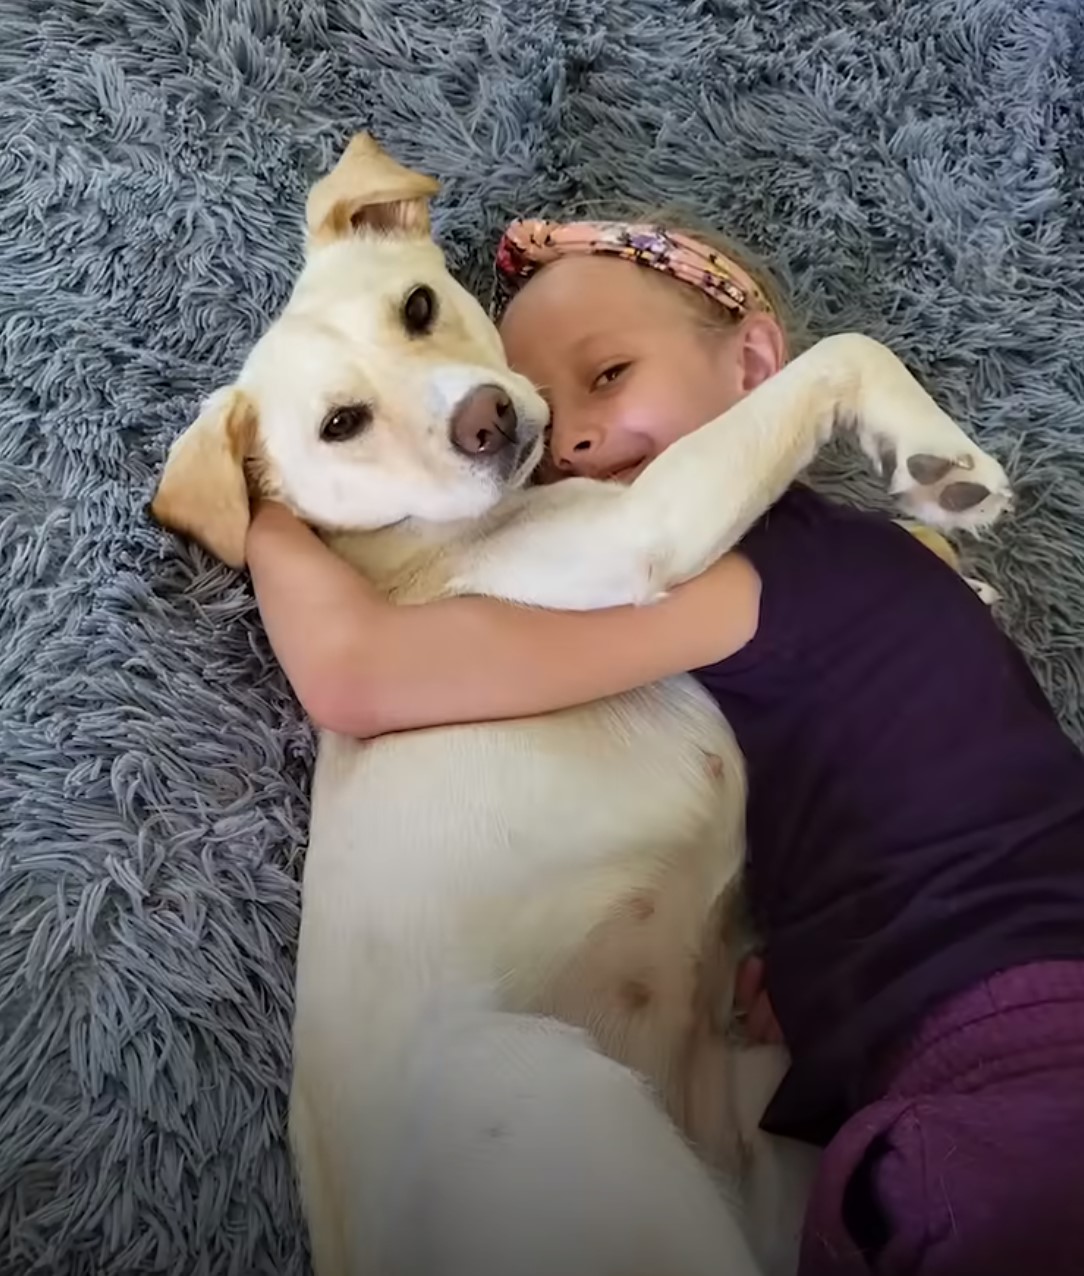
point(381, 392)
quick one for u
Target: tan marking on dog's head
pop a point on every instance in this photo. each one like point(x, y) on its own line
point(261, 476)
point(368, 190)
point(203, 491)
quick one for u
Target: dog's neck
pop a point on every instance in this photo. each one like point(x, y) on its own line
point(395, 558)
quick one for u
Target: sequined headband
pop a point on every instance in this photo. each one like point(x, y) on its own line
point(527, 245)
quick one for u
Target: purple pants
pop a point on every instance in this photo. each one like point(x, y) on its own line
point(972, 1163)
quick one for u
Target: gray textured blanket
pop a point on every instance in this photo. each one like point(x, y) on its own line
point(913, 170)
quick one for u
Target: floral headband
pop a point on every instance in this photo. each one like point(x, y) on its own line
point(527, 245)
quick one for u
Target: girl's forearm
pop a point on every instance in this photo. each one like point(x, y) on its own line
point(362, 666)
point(315, 608)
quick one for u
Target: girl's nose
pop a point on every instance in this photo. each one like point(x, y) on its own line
point(573, 447)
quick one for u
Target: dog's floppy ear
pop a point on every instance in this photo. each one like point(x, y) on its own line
point(202, 491)
point(368, 190)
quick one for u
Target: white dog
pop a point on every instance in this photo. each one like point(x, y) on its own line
point(512, 935)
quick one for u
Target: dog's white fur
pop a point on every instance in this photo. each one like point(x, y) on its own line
point(517, 938)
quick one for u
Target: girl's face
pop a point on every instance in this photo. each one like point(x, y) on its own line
point(626, 367)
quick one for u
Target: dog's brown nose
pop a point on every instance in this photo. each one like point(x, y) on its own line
point(484, 422)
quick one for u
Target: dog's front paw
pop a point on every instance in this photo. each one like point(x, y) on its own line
point(942, 478)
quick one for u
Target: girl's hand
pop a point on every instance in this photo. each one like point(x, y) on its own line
point(752, 1004)
point(322, 617)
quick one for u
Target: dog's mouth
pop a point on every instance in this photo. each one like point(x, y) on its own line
point(526, 455)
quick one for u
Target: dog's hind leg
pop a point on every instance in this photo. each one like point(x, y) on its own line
point(318, 1190)
point(529, 1154)
point(778, 1173)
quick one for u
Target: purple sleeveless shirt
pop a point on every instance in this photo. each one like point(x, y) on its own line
point(916, 814)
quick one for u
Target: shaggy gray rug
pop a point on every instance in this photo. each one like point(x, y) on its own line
point(914, 170)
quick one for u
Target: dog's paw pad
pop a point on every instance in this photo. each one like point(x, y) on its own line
point(965, 490)
point(957, 497)
point(924, 468)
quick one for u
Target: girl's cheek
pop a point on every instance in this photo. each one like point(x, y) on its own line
point(645, 418)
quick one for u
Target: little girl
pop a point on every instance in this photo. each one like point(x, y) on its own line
point(916, 817)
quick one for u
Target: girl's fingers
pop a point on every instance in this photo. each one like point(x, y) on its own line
point(749, 984)
point(751, 1002)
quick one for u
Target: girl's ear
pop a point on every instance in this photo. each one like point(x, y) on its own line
point(762, 350)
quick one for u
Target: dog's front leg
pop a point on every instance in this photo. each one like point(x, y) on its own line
point(584, 545)
point(700, 497)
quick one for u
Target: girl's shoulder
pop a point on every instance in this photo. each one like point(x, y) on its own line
point(805, 515)
point(822, 561)
point(837, 584)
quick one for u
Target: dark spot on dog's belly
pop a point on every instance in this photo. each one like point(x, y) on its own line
point(713, 765)
point(641, 907)
point(635, 994)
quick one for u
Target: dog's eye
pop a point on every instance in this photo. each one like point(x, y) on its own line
point(419, 310)
point(345, 423)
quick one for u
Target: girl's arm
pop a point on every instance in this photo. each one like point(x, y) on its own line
point(362, 666)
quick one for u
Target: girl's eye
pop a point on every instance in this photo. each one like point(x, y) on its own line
point(609, 375)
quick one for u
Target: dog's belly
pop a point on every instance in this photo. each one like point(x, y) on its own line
point(571, 863)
